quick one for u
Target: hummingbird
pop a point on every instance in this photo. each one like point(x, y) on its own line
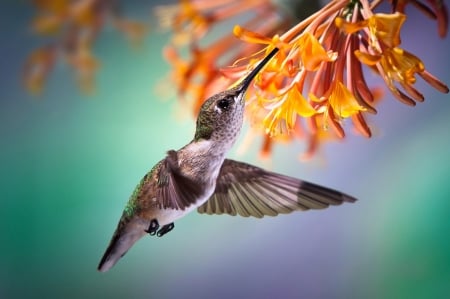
point(198, 176)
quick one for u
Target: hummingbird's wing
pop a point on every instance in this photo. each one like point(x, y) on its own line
point(174, 190)
point(248, 190)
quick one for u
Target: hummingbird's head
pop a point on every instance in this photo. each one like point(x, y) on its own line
point(220, 117)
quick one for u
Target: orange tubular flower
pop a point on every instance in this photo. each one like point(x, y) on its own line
point(73, 27)
point(285, 110)
point(85, 66)
point(312, 53)
point(342, 101)
point(316, 80)
point(382, 34)
point(37, 68)
point(312, 57)
point(200, 74)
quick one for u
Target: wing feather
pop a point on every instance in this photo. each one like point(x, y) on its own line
point(246, 190)
point(174, 190)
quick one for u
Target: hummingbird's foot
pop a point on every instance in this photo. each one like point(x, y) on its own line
point(153, 227)
point(165, 229)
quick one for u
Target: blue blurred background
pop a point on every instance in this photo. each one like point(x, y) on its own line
point(69, 163)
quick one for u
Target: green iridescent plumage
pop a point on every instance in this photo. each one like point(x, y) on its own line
point(130, 208)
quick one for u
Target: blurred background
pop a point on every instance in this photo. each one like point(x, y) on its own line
point(69, 162)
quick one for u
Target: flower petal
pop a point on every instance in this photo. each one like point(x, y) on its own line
point(300, 104)
point(342, 101)
point(387, 27)
point(350, 27)
point(366, 58)
point(312, 52)
point(249, 36)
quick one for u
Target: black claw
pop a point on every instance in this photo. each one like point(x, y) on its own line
point(153, 227)
point(165, 229)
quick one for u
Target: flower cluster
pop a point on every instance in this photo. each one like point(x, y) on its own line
point(199, 75)
point(72, 27)
point(316, 81)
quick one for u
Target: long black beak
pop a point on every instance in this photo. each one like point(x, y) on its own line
point(242, 87)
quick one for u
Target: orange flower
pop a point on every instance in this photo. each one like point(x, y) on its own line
point(323, 58)
point(284, 77)
point(383, 54)
point(306, 91)
point(37, 68)
point(312, 52)
point(47, 24)
point(198, 75)
point(192, 20)
point(85, 66)
point(398, 65)
point(316, 79)
point(341, 100)
point(134, 31)
point(384, 27)
point(284, 111)
point(302, 58)
point(74, 26)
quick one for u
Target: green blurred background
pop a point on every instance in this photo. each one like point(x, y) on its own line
point(69, 163)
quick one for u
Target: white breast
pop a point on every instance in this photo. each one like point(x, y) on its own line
point(167, 216)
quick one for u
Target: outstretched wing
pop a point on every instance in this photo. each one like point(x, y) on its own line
point(247, 190)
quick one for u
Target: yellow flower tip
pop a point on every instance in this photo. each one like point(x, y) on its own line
point(387, 27)
point(384, 27)
point(271, 121)
point(343, 102)
point(46, 25)
point(299, 104)
point(250, 36)
point(349, 27)
point(401, 65)
point(366, 58)
point(52, 6)
point(316, 99)
point(268, 131)
point(312, 52)
point(397, 65)
point(339, 22)
point(237, 31)
point(284, 112)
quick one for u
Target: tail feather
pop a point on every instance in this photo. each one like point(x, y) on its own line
point(124, 237)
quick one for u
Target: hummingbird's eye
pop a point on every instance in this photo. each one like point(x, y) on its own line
point(223, 104)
